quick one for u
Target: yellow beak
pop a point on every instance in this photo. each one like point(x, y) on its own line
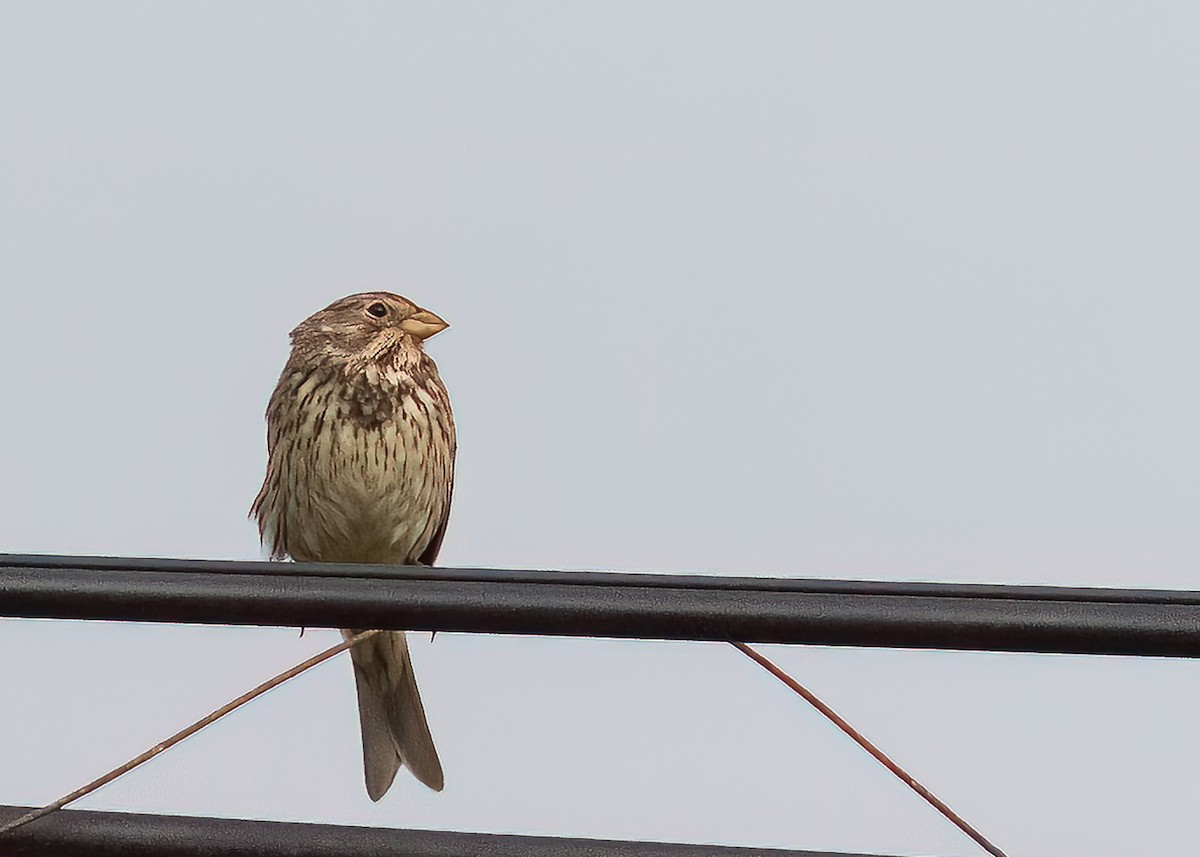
point(423, 324)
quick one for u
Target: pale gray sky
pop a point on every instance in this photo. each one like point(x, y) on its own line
point(881, 290)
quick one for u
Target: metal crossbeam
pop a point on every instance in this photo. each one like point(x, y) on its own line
point(75, 833)
point(764, 610)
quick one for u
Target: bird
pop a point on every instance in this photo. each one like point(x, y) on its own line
point(360, 469)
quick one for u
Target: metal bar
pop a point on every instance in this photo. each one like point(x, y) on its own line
point(605, 578)
point(76, 833)
point(855, 613)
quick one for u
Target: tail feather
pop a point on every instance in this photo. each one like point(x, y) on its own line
point(394, 729)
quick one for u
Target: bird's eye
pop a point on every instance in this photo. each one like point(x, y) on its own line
point(377, 309)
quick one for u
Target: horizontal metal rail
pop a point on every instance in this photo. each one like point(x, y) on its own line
point(75, 833)
point(764, 610)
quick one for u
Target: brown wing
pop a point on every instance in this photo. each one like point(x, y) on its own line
point(429, 555)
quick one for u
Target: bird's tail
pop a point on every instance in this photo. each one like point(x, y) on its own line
point(394, 729)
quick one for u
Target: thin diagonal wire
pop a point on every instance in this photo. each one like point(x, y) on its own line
point(34, 815)
point(860, 739)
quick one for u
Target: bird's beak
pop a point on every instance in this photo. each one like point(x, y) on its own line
point(423, 324)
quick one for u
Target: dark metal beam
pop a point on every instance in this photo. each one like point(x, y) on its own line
point(855, 613)
point(75, 833)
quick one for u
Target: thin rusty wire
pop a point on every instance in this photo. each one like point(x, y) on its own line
point(321, 657)
point(82, 791)
point(860, 739)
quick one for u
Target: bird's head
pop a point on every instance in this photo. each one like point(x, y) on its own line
point(368, 327)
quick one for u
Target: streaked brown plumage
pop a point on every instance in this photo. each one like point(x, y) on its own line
point(360, 448)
